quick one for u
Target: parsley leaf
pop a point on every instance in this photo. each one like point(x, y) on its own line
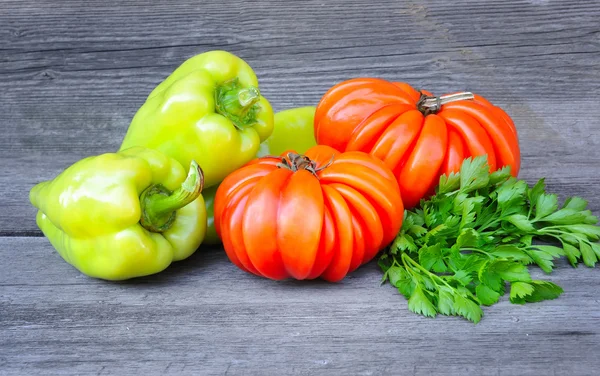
point(445, 303)
point(460, 248)
point(519, 290)
point(521, 222)
point(419, 303)
point(404, 243)
point(489, 278)
point(511, 195)
point(543, 255)
point(538, 189)
point(575, 203)
point(511, 251)
point(448, 183)
point(572, 253)
point(467, 238)
point(545, 205)
point(589, 231)
point(467, 308)
point(462, 277)
point(510, 271)
point(486, 295)
point(565, 217)
point(588, 255)
point(543, 290)
point(500, 175)
point(402, 280)
point(474, 174)
point(431, 258)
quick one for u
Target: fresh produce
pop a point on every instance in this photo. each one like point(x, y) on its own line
point(417, 135)
point(122, 215)
point(208, 110)
point(480, 230)
point(211, 238)
point(322, 214)
point(285, 207)
point(293, 131)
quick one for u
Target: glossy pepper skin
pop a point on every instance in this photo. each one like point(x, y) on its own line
point(211, 237)
point(208, 110)
point(293, 131)
point(121, 215)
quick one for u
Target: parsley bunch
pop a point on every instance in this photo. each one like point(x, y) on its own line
point(461, 248)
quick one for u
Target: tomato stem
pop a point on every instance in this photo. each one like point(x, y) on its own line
point(159, 205)
point(295, 162)
point(431, 105)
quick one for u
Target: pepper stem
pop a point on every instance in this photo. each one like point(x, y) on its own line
point(431, 105)
point(237, 103)
point(159, 205)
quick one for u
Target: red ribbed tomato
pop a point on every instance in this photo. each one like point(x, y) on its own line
point(418, 136)
point(322, 214)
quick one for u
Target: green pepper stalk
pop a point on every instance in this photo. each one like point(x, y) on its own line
point(237, 103)
point(159, 205)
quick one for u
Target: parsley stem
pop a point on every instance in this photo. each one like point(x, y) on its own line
point(489, 223)
point(478, 251)
point(530, 212)
point(554, 236)
point(548, 230)
point(555, 227)
point(427, 272)
point(558, 233)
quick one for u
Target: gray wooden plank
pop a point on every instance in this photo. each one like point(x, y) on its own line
point(73, 73)
point(204, 316)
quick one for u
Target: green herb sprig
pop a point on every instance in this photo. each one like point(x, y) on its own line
point(461, 248)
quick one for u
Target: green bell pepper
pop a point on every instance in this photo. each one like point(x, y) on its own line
point(293, 131)
point(208, 110)
point(211, 237)
point(122, 215)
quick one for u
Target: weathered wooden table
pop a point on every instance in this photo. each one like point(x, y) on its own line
point(72, 74)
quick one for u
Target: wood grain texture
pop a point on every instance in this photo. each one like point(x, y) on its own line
point(72, 75)
point(205, 317)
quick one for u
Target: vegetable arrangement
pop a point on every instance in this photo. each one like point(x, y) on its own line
point(316, 192)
